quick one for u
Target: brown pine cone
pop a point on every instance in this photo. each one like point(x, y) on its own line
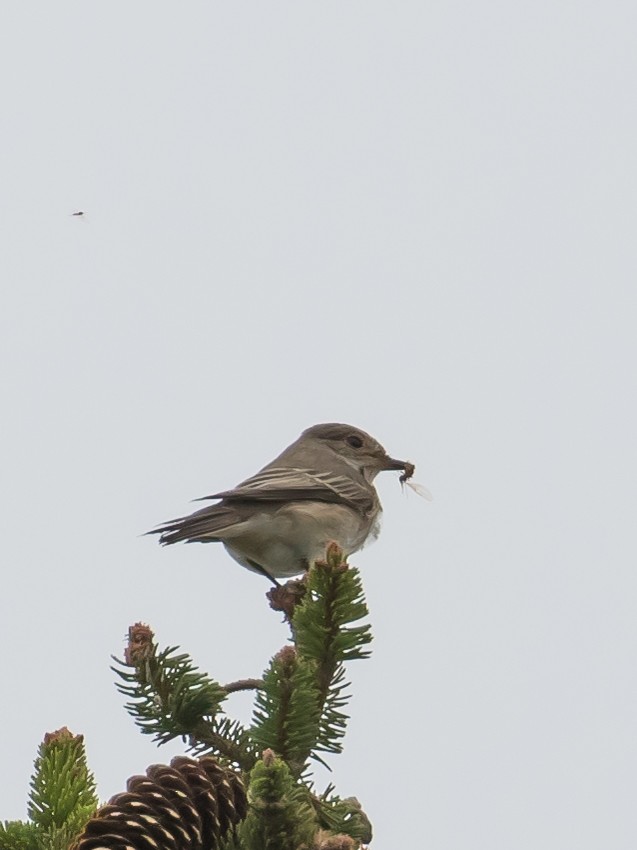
point(187, 806)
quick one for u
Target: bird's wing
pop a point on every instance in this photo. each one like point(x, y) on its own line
point(285, 484)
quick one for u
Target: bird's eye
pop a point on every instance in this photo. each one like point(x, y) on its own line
point(354, 441)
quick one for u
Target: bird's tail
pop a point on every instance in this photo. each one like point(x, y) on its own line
point(203, 526)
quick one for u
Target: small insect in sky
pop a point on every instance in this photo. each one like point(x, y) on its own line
point(417, 488)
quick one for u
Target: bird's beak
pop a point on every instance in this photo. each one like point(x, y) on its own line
point(393, 464)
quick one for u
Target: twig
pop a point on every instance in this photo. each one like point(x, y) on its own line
point(243, 685)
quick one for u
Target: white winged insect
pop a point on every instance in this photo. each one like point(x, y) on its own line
point(417, 488)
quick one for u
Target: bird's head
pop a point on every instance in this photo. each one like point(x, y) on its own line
point(357, 448)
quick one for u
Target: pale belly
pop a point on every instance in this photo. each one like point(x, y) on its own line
point(284, 542)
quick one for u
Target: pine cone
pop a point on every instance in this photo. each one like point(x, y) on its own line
point(187, 806)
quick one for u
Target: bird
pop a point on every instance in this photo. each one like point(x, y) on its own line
point(318, 491)
point(79, 212)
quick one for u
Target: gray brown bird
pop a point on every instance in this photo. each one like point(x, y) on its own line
point(319, 490)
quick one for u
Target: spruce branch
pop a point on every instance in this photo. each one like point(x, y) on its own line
point(280, 816)
point(299, 711)
point(333, 721)
point(342, 816)
point(243, 685)
point(17, 835)
point(324, 635)
point(63, 793)
point(170, 698)
point(287, 710)
point(201, 804)
point(333, 601)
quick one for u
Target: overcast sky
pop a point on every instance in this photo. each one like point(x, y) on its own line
point(418, 218)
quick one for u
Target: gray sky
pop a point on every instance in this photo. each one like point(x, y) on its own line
point(418, 219)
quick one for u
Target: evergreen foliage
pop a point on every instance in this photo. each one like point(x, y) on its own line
point(324, 635)
point(16, 835)
point(344, 817)
point(287, 713)
point(251, 789)
point(62, 797)
point(279, 813)
point(62, 787)
point(169, 698)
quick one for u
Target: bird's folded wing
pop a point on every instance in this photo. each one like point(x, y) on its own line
point(283, 484)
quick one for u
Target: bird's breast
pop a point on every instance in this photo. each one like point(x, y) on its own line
point(286, 540)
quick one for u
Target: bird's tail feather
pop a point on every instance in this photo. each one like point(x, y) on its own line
point(200, 527)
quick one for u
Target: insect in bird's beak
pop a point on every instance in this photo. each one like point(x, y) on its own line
point(420, 490)
point(417, 488)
